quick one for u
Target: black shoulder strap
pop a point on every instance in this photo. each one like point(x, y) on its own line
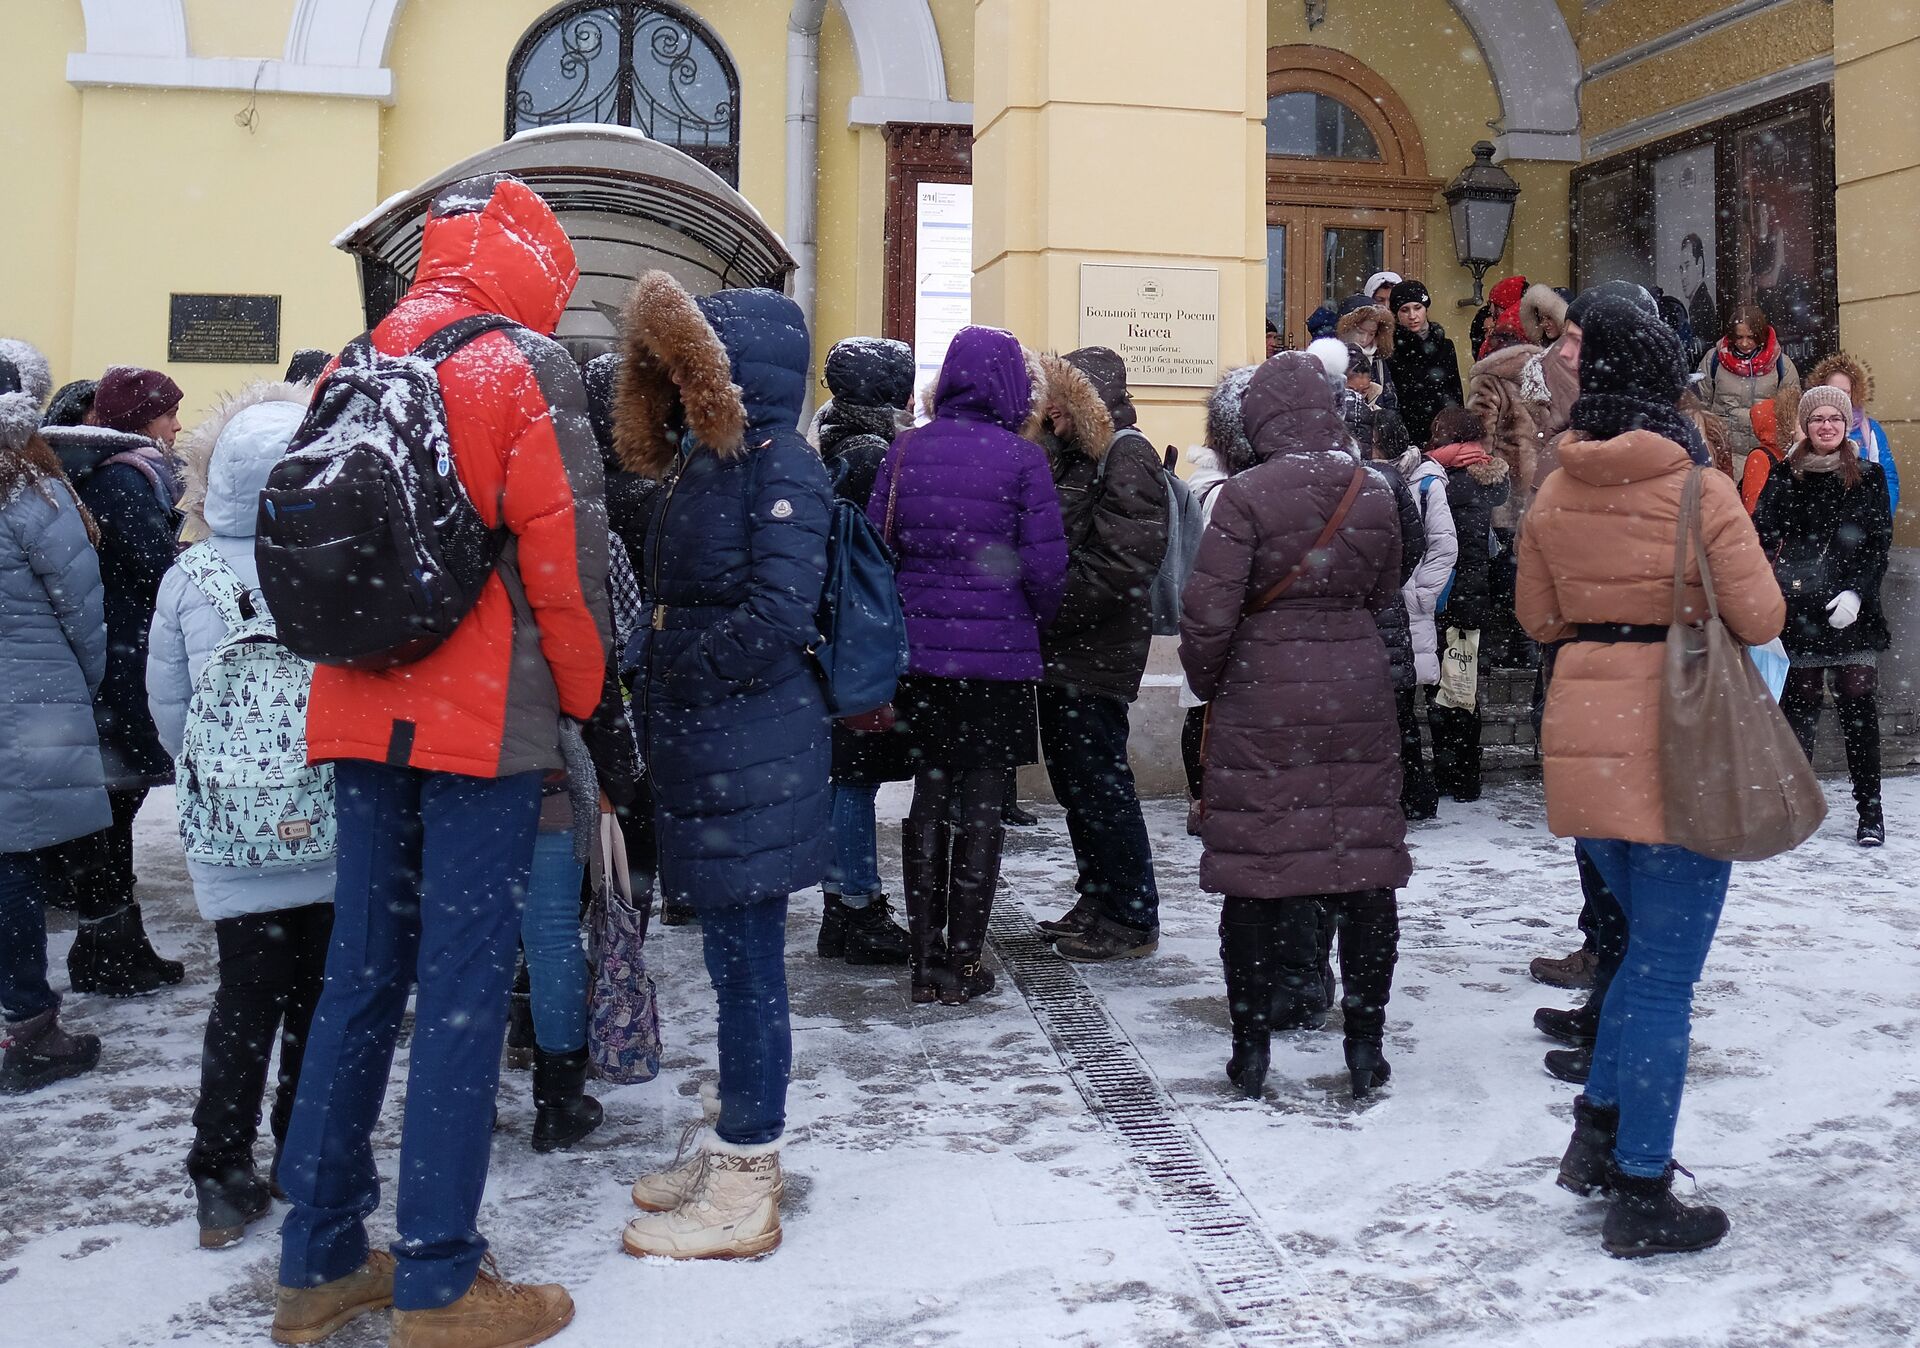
point(458, 333)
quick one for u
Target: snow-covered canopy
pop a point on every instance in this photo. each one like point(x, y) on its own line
point(628, 203)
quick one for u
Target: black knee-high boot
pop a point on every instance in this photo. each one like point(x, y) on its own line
point(1860, 729)
point(1247, 931)
point(1800, 704)
point(1369, 949)
point(926, 848)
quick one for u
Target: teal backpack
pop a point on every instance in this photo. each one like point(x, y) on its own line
point(246, 796)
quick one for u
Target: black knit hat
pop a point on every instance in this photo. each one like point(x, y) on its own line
point(1636, 295)
point(1408, 292)
point(870, 372)
point(1632, 373)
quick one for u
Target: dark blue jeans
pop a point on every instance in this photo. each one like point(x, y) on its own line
point(24, 993)
point(1672, 900)
point(853, 870)
point(1083, 737)
point(550, 934)
point(746, 948)
point(431, 869)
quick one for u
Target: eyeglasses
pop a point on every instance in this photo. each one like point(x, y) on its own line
point(1826, 421)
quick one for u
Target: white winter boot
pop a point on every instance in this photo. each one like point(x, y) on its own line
point(732, 1213)
point(669, 1188)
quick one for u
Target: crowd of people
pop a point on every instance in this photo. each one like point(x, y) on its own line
point(1360, 533)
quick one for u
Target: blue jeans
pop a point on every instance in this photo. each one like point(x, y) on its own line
point(431, 869)
point(1672, 900)
point(24, 992)
point(746, 948)
point(853, 869)
point(550, 934)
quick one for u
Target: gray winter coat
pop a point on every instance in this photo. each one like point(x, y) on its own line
point(1396, 628)
point(53, 654)
point(227, 463)
point(1432, 578)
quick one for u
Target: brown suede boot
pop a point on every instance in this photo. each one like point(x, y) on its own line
point(310, 1314)
point(494, 1313)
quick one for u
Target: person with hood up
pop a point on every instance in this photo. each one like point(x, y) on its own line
point(1514, 435)
point(121, 465)
point(1426, 372)
point(437, 780)
point(53, 655)
point(1548, 383)
point(1302, 773)
point(1773, 431)
point(871, 380)
point(733, 716)
point(1745, 368)
point(1826, 521)
point(1477, 485)
point(1425, 591)
point(1852, 377)
point(969, 508)
point(1504, 327)
point(1596, 572)
point(1114, 503)
point(1368, 327)
point(271, 920)
point(1379, 288)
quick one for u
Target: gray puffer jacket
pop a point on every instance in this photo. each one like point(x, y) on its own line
point(227, 462)
point(53, 654)
point(1396, 627)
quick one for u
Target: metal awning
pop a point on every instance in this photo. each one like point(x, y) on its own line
point(629, 204)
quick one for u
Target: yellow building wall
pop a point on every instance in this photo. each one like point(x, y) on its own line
point(40, 146)
point(173, 196)
point(239, 27)
point(852, 204)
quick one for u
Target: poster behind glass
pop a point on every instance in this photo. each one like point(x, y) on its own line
point(1777, 219)
point(1686, 241)
point(1606, 215)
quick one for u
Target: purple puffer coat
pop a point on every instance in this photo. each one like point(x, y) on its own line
point(976, 522)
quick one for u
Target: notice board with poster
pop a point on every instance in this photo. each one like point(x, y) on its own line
point(1165, 321)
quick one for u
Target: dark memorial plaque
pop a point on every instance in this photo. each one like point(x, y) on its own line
point(224, 329)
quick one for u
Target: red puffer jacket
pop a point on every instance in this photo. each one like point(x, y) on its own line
point(487, 702)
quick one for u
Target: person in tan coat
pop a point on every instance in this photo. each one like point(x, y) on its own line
point(1596, 570)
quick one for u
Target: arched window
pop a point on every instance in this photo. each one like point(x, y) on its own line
point(1347, 186)
point(647, 64)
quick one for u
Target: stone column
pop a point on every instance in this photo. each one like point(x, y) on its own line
point(1122, 132)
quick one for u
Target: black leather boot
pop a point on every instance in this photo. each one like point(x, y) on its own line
point(39, 1052)
point(1860, 728)
point(1247, 949)
point(926, 864)
point(974, 879)
point(1588, 1163)
point(563, 1111)
point(1579, 1027)
point(864, 935)
point(1646, 1219)
point(111, 957)
point(1369, 950)
point(227, 1202)
point(520, 1040)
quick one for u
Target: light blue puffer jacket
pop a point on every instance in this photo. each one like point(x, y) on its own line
point(227, 462)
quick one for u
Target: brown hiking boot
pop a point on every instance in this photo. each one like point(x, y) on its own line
point(310, 1314)
point(494, 1313)
point(1575, 972)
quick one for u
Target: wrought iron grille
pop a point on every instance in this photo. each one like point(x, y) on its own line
point(646, 64)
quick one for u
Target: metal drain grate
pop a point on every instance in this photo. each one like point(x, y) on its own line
point(1262, 1298)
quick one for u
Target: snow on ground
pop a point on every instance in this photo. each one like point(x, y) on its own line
point(948, 1186)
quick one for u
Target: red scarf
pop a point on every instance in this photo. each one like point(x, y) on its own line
point(1760, 362)
point(1464, 455)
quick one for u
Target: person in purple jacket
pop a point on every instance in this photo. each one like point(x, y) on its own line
point(969, 508)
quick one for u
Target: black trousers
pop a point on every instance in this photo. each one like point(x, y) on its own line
point(1857, 708)
point(1418, 794)
point(271, 969)
point(1604, 923)
point(1456, 747)
point(1192, 733)
point(1368, 926)
point(1083, 737)
point(96, 871)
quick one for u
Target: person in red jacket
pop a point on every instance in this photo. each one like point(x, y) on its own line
point(438, 768)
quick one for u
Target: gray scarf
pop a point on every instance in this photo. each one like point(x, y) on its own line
point(1821, 463)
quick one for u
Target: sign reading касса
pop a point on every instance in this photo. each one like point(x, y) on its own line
point(1164, 320)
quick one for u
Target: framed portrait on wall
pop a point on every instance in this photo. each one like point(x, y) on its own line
point(1607, 220)
point(1778, 225)
point(1686, 240)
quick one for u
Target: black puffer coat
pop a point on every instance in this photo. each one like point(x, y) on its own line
point(1473, 494)
point(1804, 517)
point(1427, 374)
point(1113, 506)
point(1396, 629)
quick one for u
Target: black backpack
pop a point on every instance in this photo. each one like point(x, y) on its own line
point(370, 552)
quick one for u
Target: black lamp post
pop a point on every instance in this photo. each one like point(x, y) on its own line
point(1481, 203)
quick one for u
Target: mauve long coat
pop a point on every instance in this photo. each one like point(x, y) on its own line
point(1303, 748)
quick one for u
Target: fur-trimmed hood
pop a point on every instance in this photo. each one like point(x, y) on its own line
point(1377, 314)
point(1068, 388)
point(1858, 373)
point(225, 460)
point(1226, 420)
point(1539, 304)
point(988, 376)
point(1508, 363)
point(720, 366)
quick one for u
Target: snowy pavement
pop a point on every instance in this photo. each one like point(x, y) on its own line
point(949, 1184)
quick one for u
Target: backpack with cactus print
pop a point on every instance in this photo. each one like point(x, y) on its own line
point(247, 797)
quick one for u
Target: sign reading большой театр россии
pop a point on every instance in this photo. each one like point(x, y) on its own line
point(1164, 320)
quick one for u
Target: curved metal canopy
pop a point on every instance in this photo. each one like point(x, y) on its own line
point(629, 204)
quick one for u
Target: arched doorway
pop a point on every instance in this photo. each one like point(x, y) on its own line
point(1347, 186)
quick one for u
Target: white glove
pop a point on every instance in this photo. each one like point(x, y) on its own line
point(1844, 611)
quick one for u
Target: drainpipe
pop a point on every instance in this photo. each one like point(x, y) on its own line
point(803, 150)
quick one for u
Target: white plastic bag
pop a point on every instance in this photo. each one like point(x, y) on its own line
point(1771, 661)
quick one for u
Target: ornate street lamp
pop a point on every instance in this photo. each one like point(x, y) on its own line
point(1481, 203)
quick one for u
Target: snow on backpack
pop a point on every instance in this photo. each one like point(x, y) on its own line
point(370, 551)
point(862, 651)
point(247, 797)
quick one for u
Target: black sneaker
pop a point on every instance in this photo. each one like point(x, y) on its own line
point(1646, 1219)
point(1872, 834)
point(1107, 940)
point(1571, 1065)
point(1576, 1027)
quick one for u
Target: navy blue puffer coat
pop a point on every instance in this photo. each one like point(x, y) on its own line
point(736, 727)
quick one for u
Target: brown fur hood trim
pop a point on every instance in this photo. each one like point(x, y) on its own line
point(1070, 390)
point(1508, 363)
point(1536, 306)
point(1857, 371)
point(1491, 473)
point(674, 372)
point(1383, 334)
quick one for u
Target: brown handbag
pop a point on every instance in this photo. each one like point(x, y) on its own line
point(1735, 782)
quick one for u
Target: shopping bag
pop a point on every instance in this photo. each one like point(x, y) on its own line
point(1771, 661)
point(1459, 670)
point(623, 1017)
